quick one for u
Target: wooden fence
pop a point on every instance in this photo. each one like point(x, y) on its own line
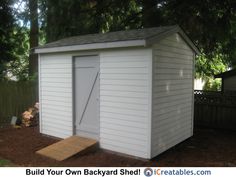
point(215, 109)
point(16, 97)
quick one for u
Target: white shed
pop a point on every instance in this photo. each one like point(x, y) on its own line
point(131, 90)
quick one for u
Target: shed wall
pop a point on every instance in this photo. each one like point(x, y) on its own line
point(172, 109)
point(230, 83)
point(125, 98)
point(55, 78)
point(125, 95)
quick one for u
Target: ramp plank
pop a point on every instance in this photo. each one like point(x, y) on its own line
point(68, 147)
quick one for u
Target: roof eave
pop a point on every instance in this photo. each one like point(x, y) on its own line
point(226, 74)
point(92, 46)
point(176, 29)
point(218, 76)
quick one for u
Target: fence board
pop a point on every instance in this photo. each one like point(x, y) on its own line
point(16, 97)
point(215, 109)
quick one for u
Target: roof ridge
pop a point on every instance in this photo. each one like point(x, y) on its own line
point(171, 28)
point(112, 39)
point(109, 32)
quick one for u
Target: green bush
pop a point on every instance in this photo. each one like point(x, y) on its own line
point(212, 84)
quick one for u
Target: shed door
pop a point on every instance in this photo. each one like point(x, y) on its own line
point(87, 96)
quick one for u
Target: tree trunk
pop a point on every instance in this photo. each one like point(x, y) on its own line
point(34, 32)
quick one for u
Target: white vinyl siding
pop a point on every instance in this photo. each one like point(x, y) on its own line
point(172, 93)
point(56, 95)
point(125, 94)
point(230, 83)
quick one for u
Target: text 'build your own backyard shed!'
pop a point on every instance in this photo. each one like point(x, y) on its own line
point(130, 90)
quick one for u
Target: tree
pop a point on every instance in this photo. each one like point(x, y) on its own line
point(34, 35)
point(19, 67)
point(210, 24)
point(116, 15)
point(71, 17)
point(152, 13)
point(67, 18)
point(6, 36)
point(26, 15)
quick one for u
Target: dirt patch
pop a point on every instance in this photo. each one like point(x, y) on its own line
point(205, 148)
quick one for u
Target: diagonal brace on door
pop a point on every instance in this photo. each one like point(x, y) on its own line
point(90, 93)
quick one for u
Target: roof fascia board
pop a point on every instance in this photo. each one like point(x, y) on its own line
point(226, 74)
point(177, 29)
point(106, 45)
point(189, 41)
point(219, 76)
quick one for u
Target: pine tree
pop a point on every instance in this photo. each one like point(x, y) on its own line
point(6, 36)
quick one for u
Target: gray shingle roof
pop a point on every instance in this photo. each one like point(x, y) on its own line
point(130, 38)
point(137, 34)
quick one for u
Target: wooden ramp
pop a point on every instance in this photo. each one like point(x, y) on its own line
point(67, 147)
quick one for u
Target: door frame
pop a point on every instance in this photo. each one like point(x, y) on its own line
point(74, 91)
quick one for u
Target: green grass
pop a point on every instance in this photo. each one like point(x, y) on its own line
point(5, 163)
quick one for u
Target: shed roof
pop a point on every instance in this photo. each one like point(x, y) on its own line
point(226, 74)
point(129, 38)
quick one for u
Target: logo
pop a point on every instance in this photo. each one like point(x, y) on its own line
point(148, 172)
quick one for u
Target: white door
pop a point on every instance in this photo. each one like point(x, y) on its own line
point(87, 96)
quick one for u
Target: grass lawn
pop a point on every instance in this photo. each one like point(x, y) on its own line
point(5, 163)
